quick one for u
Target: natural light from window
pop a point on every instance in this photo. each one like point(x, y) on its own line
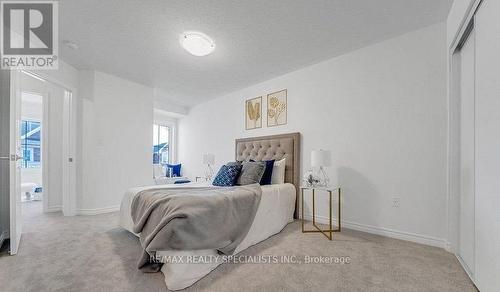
point(161, 144)
point(30, 143)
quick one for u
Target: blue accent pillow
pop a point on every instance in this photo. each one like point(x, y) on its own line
point(182, 181)
point(227, 175)
point(176, 169)
point(268, 173)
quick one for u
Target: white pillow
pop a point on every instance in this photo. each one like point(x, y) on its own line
point(278, 176)
point(158, 171)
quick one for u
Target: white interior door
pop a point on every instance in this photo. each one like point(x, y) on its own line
point(15, 163)
point(466, 244)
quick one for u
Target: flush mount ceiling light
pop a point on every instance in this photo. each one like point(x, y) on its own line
point(197, 43)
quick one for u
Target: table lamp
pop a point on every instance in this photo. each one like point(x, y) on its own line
point(209, 160)
point(321, 158)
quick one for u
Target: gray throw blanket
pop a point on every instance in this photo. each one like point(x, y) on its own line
point(193, 218)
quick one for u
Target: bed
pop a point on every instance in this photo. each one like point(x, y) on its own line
point(278, 207)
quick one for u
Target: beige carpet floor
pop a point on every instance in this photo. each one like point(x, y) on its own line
point(92, 253)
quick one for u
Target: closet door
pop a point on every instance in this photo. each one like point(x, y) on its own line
point(487, 27)
point(466, 244)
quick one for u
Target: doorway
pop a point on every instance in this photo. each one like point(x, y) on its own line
point(41, 147)
point(32, 145)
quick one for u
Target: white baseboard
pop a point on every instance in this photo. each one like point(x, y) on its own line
point(408, 236)
point(51, 209)
point(466, 268)
point(449, 247)
point(98, 211)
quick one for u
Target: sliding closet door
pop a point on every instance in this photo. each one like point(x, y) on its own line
point(487, 27)
point(466, 244)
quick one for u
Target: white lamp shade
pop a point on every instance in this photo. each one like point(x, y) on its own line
point(321, 158)
point(209, 159)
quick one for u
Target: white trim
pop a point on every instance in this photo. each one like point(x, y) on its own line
point(449, 247)
point(68, 177)
point(402, 235)
point(52, 209)
point(452, 246)
point(465, 267)
point(14, 169)
point(45, 151)
point(98, 211)
point(469, 14)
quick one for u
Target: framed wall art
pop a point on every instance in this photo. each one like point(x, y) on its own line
point(253, 113)
point(277, 108)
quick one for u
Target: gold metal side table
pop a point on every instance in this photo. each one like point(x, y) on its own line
point(326, 232)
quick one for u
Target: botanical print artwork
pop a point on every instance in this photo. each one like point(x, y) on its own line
point(277, 108)
point(253, 113)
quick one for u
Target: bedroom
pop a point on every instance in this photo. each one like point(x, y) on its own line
point(369, 98)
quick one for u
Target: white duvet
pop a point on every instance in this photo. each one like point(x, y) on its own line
point(275, 211)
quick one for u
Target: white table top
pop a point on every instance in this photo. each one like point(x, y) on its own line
point(322, 188)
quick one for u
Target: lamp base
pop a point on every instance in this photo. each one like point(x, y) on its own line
point(323, 178)
point(209, 173)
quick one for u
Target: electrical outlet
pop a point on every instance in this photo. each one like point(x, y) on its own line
point(396, 202)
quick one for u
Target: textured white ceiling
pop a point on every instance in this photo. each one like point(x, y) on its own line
point(256, 39)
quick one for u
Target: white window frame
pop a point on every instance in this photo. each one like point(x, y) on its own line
point(41, 137)
point(172, 150)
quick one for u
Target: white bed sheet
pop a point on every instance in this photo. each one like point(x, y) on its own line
point(275, 211)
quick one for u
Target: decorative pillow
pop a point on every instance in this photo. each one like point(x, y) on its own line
point(227, 175)
point(278, 175)
point(266, 177)
point(231, 163)
point(181, 181)
point(176, 169)
point(251, 173)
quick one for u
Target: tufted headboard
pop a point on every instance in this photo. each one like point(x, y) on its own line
point(274, 147)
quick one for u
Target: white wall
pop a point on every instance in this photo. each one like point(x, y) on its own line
point(116, 128)
point(382, 112)
point(66, 75)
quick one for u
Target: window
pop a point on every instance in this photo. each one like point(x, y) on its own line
point(30, 144)
point(161, 144)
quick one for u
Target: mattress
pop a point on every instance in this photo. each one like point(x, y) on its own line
point(275, 211)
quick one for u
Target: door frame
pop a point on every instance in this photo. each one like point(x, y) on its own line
point(69, 142)
point(45, 145)
point(453, 184)
point(451, 214)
